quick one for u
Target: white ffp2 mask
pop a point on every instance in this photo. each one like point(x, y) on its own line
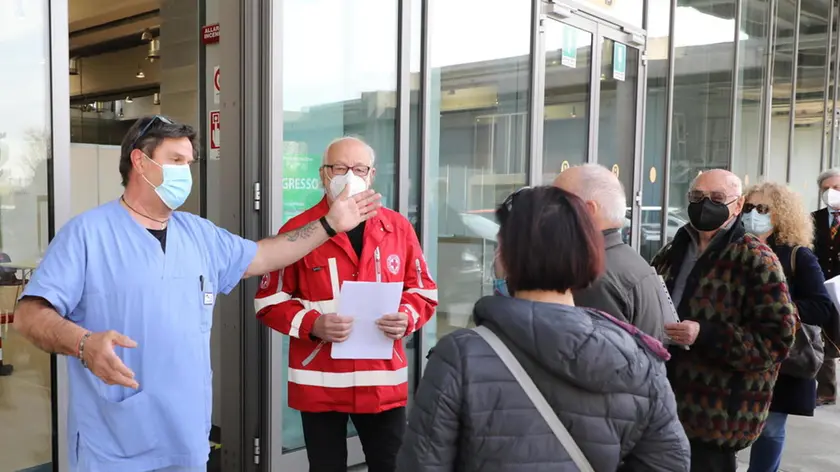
point(356, 183)
point(831, 198)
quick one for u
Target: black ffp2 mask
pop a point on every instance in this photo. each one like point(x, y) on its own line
point(707, 215)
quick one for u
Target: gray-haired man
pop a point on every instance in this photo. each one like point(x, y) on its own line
point(630, 289)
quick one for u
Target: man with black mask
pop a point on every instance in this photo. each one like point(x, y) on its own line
point(737, 323)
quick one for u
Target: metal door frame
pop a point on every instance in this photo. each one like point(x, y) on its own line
point(600, 29)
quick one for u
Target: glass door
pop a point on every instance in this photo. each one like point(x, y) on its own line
point(592, 102)
point(619, 123)
point(568, 94)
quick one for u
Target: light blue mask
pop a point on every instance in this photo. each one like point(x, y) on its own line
point(756, 223)
point(500, 287)
point(176, 185)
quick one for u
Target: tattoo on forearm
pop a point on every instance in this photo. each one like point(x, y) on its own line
point(302, 233)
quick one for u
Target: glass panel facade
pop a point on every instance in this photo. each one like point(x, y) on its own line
point(619, 82)
point(809, 128)
point(568, 64)
point(479, 112)
point(701, 130)
point(752, 72)
point(779, 121)
point(25, 142)
point(655, 146)
point(339, 79)
point(716, 94)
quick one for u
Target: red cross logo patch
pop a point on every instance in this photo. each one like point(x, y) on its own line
point(394, 263)
point(266, 279)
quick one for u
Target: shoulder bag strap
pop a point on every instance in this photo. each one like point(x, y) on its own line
point(536, 397)
point(793, 261)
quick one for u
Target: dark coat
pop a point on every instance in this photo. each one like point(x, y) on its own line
point(792, 395)
point(827, 251)
point(607, 386)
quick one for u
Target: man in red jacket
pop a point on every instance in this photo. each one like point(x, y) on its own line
point(301, 301)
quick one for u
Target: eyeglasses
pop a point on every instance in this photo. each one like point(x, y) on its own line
point(339, 169)
point(761, 208)
point(148, 126)
point(697, 196)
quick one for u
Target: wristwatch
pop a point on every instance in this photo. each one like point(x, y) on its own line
point(329, 229)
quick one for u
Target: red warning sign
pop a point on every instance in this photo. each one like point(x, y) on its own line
point(215, 134)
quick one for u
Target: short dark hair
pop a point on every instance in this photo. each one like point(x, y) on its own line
point(548, 241)
point(155, 133)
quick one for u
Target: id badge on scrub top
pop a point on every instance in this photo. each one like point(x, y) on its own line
point(207, 290)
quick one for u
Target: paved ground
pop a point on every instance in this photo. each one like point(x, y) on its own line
point(812, 443)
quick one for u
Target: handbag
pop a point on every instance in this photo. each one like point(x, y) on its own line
point(536, 398)
point(808, 351)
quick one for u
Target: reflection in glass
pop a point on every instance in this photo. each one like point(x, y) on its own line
point(25, 136)
point(617, 116)
point(655, 121)
point(810, 105)
point(704, 54)
point(479, 110)
point(779, 124)
point(341, 81)
point(750, 92)
point(568, 63)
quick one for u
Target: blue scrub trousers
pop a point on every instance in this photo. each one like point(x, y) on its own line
point(766, 452)
point(83, 465)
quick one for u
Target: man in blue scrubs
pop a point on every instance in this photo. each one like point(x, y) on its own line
point(128, 289)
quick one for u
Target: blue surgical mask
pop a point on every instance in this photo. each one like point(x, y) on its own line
point(500, 287)
point(176, 185)
point(756, 223)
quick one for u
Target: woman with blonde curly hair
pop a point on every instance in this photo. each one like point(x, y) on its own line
point(775, 214)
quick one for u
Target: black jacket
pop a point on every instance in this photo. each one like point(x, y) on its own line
point(792, 395)
point(827, 250)
point(607, 387)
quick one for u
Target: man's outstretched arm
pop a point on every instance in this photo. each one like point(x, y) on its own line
point(279, 251)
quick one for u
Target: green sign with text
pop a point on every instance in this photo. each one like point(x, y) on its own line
point(569, 58)
point(619, 61)
point(301, 184)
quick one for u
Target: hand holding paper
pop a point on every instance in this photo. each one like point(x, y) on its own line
point(332, 328)
point(394, 325)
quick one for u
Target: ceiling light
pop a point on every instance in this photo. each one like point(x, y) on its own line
point(128, 99)
point(74, 66)
point(156, 98)
point(140, 74)
point(147, 35)
point(154, 50)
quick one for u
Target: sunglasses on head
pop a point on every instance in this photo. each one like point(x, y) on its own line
point(148, 126)
point(762, 208)
point(507, 204)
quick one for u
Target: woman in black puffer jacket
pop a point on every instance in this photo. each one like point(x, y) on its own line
point(605, 380)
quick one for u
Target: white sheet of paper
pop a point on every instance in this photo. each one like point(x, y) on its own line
point(832, 286)
point(366, 302)
point(671, 315)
